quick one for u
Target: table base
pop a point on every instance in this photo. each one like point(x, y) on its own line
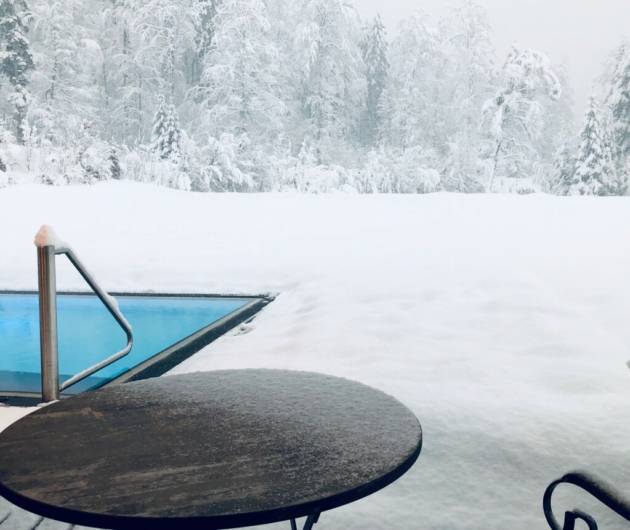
point(308, 524)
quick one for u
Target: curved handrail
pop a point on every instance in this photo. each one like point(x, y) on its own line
point(112, 307)
point(604, 493)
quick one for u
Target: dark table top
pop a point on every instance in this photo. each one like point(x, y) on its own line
point(221, 449)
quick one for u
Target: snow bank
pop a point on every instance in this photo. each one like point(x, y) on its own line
point(500, 320)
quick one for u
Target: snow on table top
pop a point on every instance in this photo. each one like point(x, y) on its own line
point(500, 320)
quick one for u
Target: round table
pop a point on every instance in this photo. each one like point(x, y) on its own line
point(223, 449)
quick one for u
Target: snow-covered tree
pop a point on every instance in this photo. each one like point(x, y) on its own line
point(144, 47)
point(166, 135)
point(173, 135)
point(68, 64)
point(469, 79)
point(374, 48)
point(618, 103)
point(222, 165)
point(408, 101)
point(204, 23)
point(558, 128)
point(160, 121)
point(563, 179)
point(513, 119)
point(393, 170)
point(594, 168)
point(166, 30)
point(121, 87)
point(114, 164)
point(16, 60)
point(331, 84)
point(239, 81)
point(5, 139)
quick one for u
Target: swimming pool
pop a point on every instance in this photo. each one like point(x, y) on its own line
point(166, 329)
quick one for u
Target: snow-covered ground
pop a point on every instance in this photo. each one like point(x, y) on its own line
point(500, 320)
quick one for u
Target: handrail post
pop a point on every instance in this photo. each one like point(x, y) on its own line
point(48, 322)
point(48, 246)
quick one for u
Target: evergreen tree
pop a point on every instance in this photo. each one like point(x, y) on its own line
point(161, 33)
point(158, 134)
point(374, 49)
point(205, 29)
point(114, 164)
point(558, 129)
point(173, 135)
point(5, 138)
point(3, 164)
point(594, 170)
point(618, 101)
point(16, 61)
point(166, 136)
point(564, 178)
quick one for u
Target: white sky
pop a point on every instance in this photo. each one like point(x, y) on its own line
point(578, 33)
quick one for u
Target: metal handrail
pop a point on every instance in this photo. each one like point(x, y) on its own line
point(111, 306)
point(48, 319)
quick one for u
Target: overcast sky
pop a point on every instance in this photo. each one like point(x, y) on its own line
point(578, 33)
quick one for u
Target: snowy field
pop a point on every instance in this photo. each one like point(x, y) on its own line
point(500, 320)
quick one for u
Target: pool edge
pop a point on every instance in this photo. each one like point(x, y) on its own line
point(167, 359)
point(173, 355)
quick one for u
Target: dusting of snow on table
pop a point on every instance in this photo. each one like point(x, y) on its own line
point(500, 320)
point(216, 449)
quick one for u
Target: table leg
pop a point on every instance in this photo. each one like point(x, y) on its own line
point(311, 520)
point(308, 524)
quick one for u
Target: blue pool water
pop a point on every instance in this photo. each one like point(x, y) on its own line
point(88, 333)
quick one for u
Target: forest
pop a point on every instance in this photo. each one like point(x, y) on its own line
point(305, 95)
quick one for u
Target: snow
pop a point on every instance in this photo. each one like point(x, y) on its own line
point(46, 236)
point(10, 414)
point(500, 320)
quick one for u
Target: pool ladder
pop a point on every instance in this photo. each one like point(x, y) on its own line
point(48, 247)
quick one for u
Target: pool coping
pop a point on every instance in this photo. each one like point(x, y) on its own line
point(173, 355)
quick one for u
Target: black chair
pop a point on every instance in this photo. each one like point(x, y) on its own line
point(603, 492)
point(598, 489)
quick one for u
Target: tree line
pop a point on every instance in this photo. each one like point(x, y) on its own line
point(260, 95)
